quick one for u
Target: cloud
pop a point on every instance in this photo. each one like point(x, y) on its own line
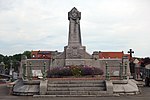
point(106, 25)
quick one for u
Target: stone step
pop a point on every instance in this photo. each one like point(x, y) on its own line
point(76, 89)
point(99, 95)
point(74, 81)
point(75, 92)
point(76, 85)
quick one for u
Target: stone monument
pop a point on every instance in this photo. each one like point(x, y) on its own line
point(112, 63)
point(74, 50)
point(74, 53)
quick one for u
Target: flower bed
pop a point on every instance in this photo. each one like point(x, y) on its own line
point(76, 71)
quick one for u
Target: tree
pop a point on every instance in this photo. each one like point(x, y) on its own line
point(145, 61)
point(27, 53)
point(1, 57)
point(16, 57)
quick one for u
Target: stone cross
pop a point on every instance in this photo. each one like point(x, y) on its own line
point(130, 51)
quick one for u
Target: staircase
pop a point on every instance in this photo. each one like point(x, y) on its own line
point(76, 87)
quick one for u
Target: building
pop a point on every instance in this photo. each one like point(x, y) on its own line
point(41, 54)
point(111, 55)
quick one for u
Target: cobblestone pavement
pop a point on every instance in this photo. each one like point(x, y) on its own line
point(4, 95)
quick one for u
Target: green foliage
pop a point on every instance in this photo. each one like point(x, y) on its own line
point(76, 71)
point(15, 59)
point(27, 53)
point(1, 57)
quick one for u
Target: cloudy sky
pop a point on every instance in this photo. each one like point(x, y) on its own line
point(106, 25)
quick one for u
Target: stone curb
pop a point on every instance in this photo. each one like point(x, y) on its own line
point(104, 95)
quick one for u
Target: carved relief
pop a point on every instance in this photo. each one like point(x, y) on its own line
point(74, 14)
point(75, 53)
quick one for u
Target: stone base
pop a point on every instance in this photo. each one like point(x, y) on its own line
point(43, 87)
point(122, 87)
point(130, 87)
point(25, 89)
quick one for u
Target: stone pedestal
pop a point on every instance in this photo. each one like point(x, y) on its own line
point(43, 87)
point(75, 52)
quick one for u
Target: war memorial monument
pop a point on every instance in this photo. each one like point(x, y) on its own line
point(114, 64)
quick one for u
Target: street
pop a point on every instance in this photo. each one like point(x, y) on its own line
point(4, 95)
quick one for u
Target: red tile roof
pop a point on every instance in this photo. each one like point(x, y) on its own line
point(40, 54)
point(111, 55)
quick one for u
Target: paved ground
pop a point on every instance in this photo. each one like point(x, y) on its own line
point(4, 95)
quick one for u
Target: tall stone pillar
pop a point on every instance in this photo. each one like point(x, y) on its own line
point(21, 69)
point(74, 50)
point(74, 17)
point(126, 61)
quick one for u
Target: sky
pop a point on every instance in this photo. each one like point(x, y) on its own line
point(106, 25)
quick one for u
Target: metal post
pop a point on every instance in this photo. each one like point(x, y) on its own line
point(30, 76)
point(106, 70)
point(44, 71)
point(121, 71)
point(107, 73)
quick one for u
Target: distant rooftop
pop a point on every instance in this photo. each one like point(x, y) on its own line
point(111, 55)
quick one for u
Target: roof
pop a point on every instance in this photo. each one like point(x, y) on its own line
point(40, 54)
point(111, 55)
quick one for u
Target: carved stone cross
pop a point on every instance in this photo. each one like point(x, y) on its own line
point(130, 52)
